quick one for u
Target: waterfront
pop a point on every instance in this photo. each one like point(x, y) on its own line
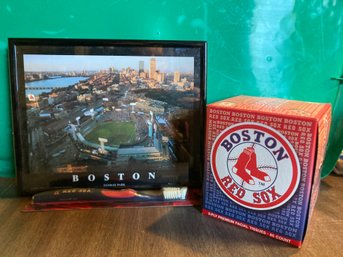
point(59, 82)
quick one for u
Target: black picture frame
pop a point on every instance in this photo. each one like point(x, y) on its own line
point(107, 113)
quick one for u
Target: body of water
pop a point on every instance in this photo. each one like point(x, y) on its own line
point(59, 82)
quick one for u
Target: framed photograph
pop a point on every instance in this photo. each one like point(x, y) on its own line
point(107, 113)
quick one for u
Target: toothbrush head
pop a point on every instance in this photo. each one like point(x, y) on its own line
point(174, 193)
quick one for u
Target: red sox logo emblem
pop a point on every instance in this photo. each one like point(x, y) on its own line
point(255, 166)
point(247, 162)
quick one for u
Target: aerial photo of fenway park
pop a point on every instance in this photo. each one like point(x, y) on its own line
point(110, 113)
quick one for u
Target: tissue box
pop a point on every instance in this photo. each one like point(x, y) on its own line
point(262, 163)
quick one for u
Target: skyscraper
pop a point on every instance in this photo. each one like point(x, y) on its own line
point(152, 70)
point(141, 67)
point(177, 76)
point(160, 76)
point(111, 70)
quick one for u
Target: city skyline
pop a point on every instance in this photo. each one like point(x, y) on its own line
point(78, 63)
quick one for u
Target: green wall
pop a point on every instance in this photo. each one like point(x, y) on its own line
point(288, 49)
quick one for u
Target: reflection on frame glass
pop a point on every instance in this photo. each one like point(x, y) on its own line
point(114, 114)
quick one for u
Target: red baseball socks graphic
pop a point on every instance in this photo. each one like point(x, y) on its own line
point(247, 162)
point(240, 167)
point(254, 171)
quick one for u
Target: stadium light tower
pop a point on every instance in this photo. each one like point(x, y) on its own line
point(102, 145)
point(133, 107)
point(78, 120)
point(151, 117)
point(92, 113)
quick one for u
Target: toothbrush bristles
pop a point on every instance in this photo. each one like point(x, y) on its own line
point(173, 193)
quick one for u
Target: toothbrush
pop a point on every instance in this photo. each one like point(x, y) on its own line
point(98, 195)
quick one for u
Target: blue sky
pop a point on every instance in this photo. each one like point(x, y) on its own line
point(65, 63)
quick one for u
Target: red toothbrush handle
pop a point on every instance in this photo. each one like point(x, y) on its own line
point(124, 193)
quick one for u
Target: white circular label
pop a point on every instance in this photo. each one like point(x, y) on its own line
point(255, 166)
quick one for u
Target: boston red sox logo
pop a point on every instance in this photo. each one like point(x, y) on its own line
point(255, 166)
point(247, 162)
